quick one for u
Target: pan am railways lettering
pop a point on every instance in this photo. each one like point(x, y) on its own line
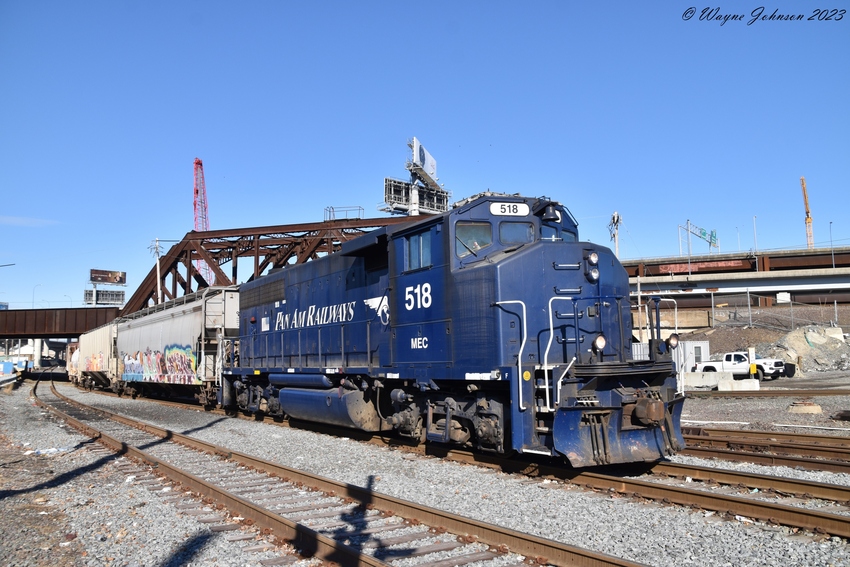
point(314, 316)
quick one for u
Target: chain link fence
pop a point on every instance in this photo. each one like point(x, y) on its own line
point(749, 309)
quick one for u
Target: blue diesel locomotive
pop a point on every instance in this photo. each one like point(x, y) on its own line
point(489, 326)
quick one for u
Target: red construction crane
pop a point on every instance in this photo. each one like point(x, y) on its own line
point(202, 219)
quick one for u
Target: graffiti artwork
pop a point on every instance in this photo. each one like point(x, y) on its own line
point(175, 366)
point(94, 363)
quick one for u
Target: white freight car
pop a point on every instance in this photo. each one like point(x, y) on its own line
point(96, 362)
point(179, 346)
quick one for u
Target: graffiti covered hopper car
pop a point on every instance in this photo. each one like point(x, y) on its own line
point(178, 345)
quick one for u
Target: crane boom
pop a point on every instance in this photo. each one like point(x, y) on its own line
point(810, 239)
point(202, 220)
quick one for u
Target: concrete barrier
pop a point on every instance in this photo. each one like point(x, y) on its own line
point(704, 379)
point(748, 385)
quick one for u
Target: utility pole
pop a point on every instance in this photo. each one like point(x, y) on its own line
point(831, 249)
point(157, 250)
point(614, 229)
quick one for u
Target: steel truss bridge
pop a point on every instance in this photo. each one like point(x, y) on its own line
point(177, 275)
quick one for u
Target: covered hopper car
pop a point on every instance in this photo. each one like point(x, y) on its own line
point(174, 348)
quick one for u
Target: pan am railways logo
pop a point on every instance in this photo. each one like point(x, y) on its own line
point(314, 316)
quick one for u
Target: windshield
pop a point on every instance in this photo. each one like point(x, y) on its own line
point(470, 237)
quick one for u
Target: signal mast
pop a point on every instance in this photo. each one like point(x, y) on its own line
point(202, 220)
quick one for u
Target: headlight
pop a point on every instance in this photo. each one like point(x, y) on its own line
point(593, 274)
point(599, 343)
point(592, 258)
point(673, 340)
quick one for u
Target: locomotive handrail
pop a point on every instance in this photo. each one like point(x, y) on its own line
point(521, 349)
point(549, 404)
point(556, 385)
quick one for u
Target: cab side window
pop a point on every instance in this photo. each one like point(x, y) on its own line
point(418, 251)
point(470, 237)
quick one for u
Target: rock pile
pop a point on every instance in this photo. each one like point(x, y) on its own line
point(813, 349)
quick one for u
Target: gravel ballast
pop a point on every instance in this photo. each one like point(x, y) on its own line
point(87, 493)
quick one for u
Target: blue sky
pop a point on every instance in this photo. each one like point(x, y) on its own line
point(297, 106)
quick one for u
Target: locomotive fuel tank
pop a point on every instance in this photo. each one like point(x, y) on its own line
point(310, 397)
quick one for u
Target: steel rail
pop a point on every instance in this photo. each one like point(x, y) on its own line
point(308, 541)
point(778, 484)
point(767, 459)
point(832, 452)
point(820, 522)
point(770, 393)
point(776, 513)
point(779, 436)
point(756, 445)
point(542, 550)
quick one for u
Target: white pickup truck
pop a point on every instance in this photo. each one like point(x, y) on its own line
point(738, 363)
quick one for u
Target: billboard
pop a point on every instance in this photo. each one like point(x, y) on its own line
point(397, 196)
point(108, 277)
point(423, 159)
point(103, 297)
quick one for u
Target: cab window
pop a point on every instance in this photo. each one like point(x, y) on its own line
point(470, 237)
point(557, 232)
point(418, 251)
point(516, 232)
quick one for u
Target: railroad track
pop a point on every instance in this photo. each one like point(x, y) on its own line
point(769, 393)
point(809, 439)
point(814, 452)
point(336, 522)
point(708, 496)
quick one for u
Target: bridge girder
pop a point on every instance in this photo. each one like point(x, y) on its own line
point(270, 247)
